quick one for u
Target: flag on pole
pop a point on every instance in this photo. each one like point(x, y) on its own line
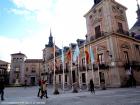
point(91, 55)
point(62, 56)
point(87, 56)
point(76, 53)
point(68, 55)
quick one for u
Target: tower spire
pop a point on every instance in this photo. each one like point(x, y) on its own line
point(50, 33)
point(138, 4)
point(138, 10)
point(50, 38)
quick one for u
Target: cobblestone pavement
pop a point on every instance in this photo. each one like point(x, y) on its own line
point(28, 96)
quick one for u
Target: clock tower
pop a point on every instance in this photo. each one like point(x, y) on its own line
point(105, 16)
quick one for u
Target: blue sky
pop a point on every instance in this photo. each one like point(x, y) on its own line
point(25, 24)
point(12, 24)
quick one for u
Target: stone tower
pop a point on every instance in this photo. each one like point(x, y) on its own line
point(17, 68)
point(47, 55)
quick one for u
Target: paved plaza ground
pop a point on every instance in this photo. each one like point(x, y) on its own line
point(111, 96)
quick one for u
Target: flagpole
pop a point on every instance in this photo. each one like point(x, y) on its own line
point(63, 68)
point(79, 74)
point(99, 74)
point(55, 88)
point(71, 68)
point(54, 65)
point(86, 67)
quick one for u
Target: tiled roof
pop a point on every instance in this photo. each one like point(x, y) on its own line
point(33, 60)
point(18, 54)
point(3, 62)
point(137, 24)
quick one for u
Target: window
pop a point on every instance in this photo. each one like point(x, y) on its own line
point(126, 57)
point(65, 78)
point(66, 66)
point(83, 61)
point(100, 58)
point(26, 68)
point(120, 26)
point(33, 71)
point(83, 78)
point(97, 31)
point(61, 67)
point(90, 17)
point(59, 78)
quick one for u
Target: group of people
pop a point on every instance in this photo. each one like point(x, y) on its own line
point(42, 92)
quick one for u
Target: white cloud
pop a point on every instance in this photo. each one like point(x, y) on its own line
point(8, 46)
point(41, 8)
point(20, 12)
point(31, 46)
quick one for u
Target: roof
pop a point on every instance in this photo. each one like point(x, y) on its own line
point(33, 60)
point(18, 54)
point(3, 62)
point(137, 24)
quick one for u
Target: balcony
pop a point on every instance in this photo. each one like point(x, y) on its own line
point(60, 71)
point(100, 34)
point(135, 65)
point(82, 68)
point(121, 31)
point(103, 66)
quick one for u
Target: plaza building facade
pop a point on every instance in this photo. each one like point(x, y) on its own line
point(116, 51)
point(24, 70)
point(33, 70)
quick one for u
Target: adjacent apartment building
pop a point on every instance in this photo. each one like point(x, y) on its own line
point(4, 71)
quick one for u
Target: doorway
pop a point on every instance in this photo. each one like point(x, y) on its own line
point(83, 78)
point(102, 77)
point(73, 77)
point(32, 81)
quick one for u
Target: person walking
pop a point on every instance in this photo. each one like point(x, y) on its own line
point(44, 90)
point(39, 90)
point(2, 88)
point(25, 83)
point(92, 90)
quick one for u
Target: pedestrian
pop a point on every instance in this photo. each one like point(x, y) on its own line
point(2, 88)
point(44, 89)
point(92, 90)
point(25, 83)
point(39, 90)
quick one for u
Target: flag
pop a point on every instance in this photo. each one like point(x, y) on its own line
point(96, 57)
point(76, 53)
point(68, 55)
point(91, 55)
point(62, 56)
point(87, 56)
